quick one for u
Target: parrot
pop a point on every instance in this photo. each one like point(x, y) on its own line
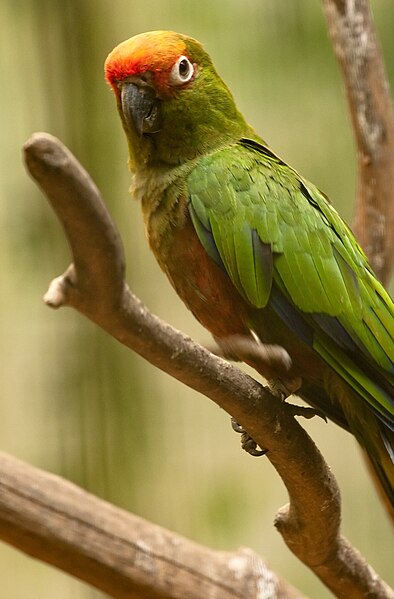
point(255, 251)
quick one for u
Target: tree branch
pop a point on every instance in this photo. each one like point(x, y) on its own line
point(94, 285)
point(355, 43)
point(117, 552)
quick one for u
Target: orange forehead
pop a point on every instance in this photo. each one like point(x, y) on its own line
point(155, 51)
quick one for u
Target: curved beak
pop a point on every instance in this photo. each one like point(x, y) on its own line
point(140, 107)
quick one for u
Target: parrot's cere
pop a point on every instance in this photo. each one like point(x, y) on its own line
point(251, 247)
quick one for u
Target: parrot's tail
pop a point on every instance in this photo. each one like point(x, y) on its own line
point(377, 440)
point(374, 436)
point(380, 462)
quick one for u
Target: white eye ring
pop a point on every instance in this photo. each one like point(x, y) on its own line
point(181, 72)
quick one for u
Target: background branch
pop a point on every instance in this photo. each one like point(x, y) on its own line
point(357, 49)
point(310, 524)
point(117, 552)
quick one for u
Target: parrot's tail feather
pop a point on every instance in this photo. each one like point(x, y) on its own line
point(376, 438)
point(388, 440)
point(381, 477)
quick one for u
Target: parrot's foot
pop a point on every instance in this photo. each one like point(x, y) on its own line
point(283, 389)
point(271, 361)
point(247, 443)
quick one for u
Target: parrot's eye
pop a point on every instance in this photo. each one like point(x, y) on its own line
point(181, 72)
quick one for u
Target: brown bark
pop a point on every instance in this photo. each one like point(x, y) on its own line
point(117, 552)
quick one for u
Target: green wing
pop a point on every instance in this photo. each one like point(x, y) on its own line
point(283, 244)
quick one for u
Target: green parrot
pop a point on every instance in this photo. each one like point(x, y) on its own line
point(254, 250)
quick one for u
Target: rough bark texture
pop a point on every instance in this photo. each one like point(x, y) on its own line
point(117, 552)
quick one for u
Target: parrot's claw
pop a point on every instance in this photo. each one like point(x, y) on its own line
point(283, 389)
point(236, 426)
point(306, 412)
point(247, 443)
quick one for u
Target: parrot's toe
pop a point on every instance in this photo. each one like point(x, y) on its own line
point(247, 443)
point(306, 412)
point(283, 389)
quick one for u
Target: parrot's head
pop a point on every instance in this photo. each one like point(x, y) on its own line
point(173, 104)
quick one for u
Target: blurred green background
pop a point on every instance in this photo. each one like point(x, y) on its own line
point(73, 400)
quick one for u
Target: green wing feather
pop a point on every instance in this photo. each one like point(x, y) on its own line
point(267, 226)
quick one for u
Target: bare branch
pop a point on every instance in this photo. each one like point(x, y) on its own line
point(357, 49)
point(310, 525)
point(117, 552)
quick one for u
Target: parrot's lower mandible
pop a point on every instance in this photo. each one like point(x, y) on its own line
point(254, 250)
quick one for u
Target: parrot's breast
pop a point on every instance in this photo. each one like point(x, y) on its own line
point(203, 286)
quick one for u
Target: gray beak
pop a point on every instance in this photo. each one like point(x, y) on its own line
point(140, 107)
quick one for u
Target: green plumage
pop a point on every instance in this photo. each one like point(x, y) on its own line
point(249, 245)
point(316, 262)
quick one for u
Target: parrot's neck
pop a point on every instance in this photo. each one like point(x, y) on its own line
point(162, 196)
point(165, 152)
point(159, 187)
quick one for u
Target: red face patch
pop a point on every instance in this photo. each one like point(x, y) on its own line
point(155, 52)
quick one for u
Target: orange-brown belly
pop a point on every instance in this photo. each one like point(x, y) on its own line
point(202, 285)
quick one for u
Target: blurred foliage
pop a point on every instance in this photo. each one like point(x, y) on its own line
point(73, 400)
